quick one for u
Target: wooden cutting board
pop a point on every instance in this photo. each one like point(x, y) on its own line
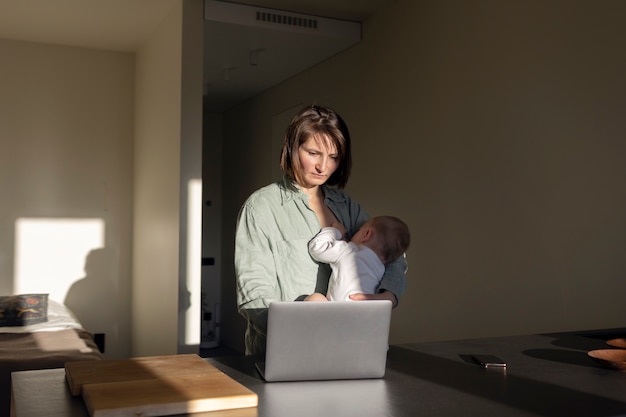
point(80, 373)
point(155, 386)
point(164, 396)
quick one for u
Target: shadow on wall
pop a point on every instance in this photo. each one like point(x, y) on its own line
point(94, 298)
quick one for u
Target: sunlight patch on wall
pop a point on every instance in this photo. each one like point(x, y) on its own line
point(50, 253)
point(194, 261)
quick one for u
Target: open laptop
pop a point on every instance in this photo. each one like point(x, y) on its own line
point(326, 340)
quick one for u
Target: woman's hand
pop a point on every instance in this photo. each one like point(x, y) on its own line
point(316, 297)
point(385, 295)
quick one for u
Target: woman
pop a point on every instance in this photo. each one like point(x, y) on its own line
point(272, 262)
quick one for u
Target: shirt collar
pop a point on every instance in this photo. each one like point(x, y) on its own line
point(289, 191)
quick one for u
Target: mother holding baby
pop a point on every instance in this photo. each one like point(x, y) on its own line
point(275, 224)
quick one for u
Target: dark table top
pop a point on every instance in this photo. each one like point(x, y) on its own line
point(547, 375)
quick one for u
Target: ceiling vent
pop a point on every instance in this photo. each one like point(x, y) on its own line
point(286, 19)
point(249, 49)
point(241, 14)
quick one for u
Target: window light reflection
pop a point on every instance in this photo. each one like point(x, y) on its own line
point(194, 261)
point(50, 253)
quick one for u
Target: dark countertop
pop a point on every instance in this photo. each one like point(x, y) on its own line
point(547, 375)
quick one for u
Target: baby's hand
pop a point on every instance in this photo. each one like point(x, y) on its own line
point(340, 227)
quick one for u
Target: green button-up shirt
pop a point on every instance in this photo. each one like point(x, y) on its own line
point(272, 261)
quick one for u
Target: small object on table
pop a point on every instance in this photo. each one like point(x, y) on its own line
point(489, 361)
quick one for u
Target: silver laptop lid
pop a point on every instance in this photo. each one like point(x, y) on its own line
point(327, 340)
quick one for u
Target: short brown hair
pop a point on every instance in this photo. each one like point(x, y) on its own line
point(324, 123)
point(395, 237)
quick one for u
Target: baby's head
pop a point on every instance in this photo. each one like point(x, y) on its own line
point(388, 236)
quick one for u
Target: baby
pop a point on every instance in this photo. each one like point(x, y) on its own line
point(358, 265)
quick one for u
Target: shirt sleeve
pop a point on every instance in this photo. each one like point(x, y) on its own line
point(394, 279)
point(254, 266)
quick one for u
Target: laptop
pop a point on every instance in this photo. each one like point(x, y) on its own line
point(326, 340)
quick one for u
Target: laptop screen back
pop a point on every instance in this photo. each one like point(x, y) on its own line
point(327, 340)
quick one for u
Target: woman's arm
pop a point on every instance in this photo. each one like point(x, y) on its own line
point(254, 269)
point(394, 279)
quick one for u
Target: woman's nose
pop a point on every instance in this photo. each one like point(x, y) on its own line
point(321, 164)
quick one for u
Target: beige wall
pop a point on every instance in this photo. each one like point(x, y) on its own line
point(113, 136)
point(167, 155)
point(157, 193)
point(495, 129)
point(66, 134)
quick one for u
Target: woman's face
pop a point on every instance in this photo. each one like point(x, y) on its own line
point(318, 159)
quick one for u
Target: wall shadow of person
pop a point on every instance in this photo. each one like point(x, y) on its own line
point(93, 298)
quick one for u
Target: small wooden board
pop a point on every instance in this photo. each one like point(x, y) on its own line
point(80, 373)
point(182, 394)
point(155, 386)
